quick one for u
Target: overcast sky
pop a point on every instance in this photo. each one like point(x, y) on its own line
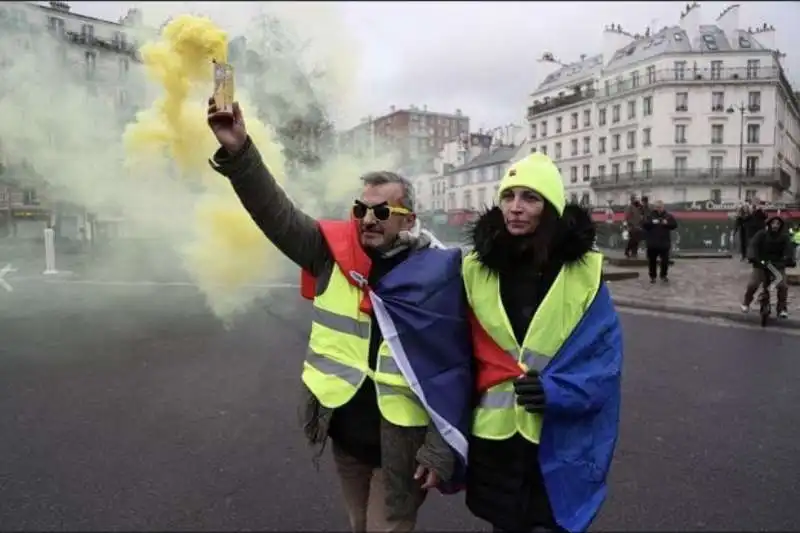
point(476, 56)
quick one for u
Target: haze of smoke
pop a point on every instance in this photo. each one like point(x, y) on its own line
point(159, 179)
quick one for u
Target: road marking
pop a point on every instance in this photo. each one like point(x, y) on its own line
point(3, 283)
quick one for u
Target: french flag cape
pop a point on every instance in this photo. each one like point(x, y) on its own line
point(449, 360)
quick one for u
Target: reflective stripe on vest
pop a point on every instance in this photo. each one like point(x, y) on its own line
point(497, 416)
point(337, 361)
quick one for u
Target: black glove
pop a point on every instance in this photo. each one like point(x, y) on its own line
point(530, 392)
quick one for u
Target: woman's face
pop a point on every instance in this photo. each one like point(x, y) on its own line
point(522, 208)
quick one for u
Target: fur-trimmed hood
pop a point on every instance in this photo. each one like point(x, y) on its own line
point(498, 250)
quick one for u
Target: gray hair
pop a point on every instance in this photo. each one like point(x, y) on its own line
point(384, 176)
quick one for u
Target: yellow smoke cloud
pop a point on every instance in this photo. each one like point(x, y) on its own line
point(228, 252)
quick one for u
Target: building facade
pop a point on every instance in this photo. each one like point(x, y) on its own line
point(415, 134)
point(98, 55)
point(692, 113)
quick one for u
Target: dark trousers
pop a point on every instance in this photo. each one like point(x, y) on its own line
point(632, 246)
point(660, 255)
point(743, 243)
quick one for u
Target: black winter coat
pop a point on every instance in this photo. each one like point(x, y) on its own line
point(504, 480)
point(657, 230)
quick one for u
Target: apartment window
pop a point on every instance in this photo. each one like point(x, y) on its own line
point(620, 84)
point(631, 140)
point(601, 116)
point(631, 109)
point(559, 121)
point(680, 166)
point(585, 199)
point(544, 128)
point(751, 165)
point(55, 24)
point(574, 147)
point(680, 134)
point(754, 101)
point(468, 199)
point(615, 170)
point(718, 101)
point(601, 171)
point(533, 131)
point(681, 101)
point(716, 70)
point(630, 167)
point(587, 118)
point(574, 121)
point(601, 145)
point(716, 133)
point(87, 32)
point(750, 194)
point(481, 196)
point(651, 74)
point(90, 59)
point(647, 167)
point(752, 68)
point(573, 198)
point(615, 143)
point(680, 70)
point(608, 87)
point(587, 146)
point(753, 133)
point(615, 114)
point(29, 197)
point(647, 106)
point(558, 151)
point(543, 149)
point(635, 79)
point(573, 174)
point(646, 137)
point(587, 171)
point(716, 165)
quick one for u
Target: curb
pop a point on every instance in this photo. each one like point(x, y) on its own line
point(751, 319)
point(620, 275)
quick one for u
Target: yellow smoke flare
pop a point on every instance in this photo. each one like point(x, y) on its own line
point(229, 253)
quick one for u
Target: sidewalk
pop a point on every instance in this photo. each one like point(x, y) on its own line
point(701, 287)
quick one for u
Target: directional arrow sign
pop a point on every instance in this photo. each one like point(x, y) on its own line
point(3, 283)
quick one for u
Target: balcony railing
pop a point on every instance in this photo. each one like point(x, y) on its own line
point(684, 76)
point(669, 75)
point(698, 177)
point(560, 101)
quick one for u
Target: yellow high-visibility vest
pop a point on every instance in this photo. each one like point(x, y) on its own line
point(498, 417)
point(337, 362)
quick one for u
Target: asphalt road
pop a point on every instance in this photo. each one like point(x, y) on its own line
point(130, 408)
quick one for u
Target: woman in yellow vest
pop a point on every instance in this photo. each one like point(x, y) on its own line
point(542, 442)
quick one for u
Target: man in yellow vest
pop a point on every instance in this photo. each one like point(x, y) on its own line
point(387, 451)
point(542, 441)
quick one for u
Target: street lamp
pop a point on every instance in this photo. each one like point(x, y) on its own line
point(732, 109)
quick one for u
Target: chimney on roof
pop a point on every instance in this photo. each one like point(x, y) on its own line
point(691, 20)
point(392, 108)
point(60, 6)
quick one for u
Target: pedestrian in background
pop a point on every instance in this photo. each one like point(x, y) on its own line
point(740, 228)
point(772, 245)
point(633, 222)
point(386, 449)
point(658, 228)
point(757, 220)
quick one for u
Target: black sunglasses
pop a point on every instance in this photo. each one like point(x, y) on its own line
point(381, 211)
